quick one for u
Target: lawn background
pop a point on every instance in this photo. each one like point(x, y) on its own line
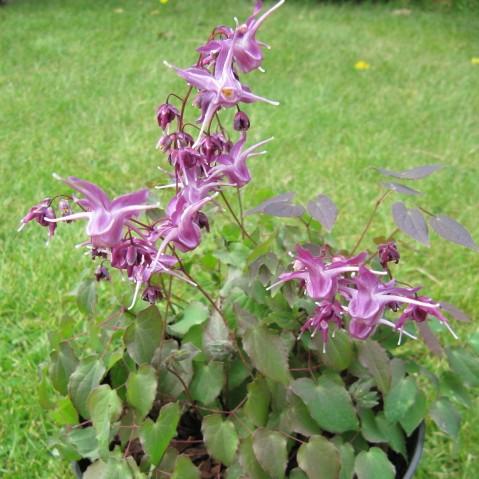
point(79, 83)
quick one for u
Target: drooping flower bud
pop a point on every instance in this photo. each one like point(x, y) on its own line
point(64, 206)
point(152, 294)
point(388, 253)
point(241, 121)
point(102, 274)
point(165, 114)
point(203, 221)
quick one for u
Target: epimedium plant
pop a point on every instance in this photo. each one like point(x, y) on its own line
point(269, 352)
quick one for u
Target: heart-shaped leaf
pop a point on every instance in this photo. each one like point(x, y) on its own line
point(319, 458)
point(84, 379)
point(374, 358)
point(257, 403)
point(324, 210)
point(207, 381)
point(141, 389)
point(63, 362)
point(399, 399)
point(270, 450)
point(373, 464)
point(185, 469)
point(411, 222)
point(220, 437)
point(412, 173)
point(453, 231)
point(328, 403)
point(156, 436)
point(444, 414)
point(195, 313)
point(144, 335)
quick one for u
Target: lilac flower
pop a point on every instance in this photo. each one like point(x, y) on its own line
point(320, 279)
point(418, 314)
point(222, 87)
point(388, 253)
point(165, 114)
point(246, 50)
point(233, 165)
point(369, 300)
point(43, 214)
point(325, 313)
point(105, 218)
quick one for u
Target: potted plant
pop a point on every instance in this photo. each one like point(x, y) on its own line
point(269, 351)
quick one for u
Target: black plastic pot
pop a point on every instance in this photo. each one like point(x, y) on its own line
point(415, 448)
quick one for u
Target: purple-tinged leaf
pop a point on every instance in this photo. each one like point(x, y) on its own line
point(430, 339)
point(455, 312)
point(284, 210)
point(405, 190)
point(412, 173)
point(324, 210)
point(453, 231)
point(411, 222)
point(446, 417)
point(282, 198)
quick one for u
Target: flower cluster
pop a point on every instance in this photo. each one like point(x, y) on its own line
point(201, 168)
point(348, 294)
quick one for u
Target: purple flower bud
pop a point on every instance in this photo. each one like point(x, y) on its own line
point(41, 213)
point(131, 255)
point(165, 142)
point(203, 222)
point(165, 114)
point(102, 274)
point(64, 206)
point(388, 253)
point(241, 121)
point(152, 294)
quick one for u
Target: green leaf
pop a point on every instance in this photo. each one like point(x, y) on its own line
point(373, 464)
point(451, 384)
point(374, 358)
point(297, 473)
point(270, 450)
point(258, 401)
point(268, 352)
point(144, 335)
point(156, 436)
point(339, 351)
point(220, 437)
point(393, 434)
point(248, 460)
point(62, 364)
point(346, 454)
point(216, 338)
point(328, 403)
point(65, 413)
point(319, 458)
point(445, 416)
point(84, 379)
point(369, 427)
point(207, 381)
point(185, 469)
point(105, 407)
point(114, 468)
point(141, 389)
point(399, 399)
point(86, 296)
point(195, 313)
point(84, 441)
point(415, 413)
point(464, 365)
point(298, 417)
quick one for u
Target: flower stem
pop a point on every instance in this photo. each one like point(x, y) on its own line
point(233, 214)
point(368, 224)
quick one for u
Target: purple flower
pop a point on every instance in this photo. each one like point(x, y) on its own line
point(102, 274)
point(152, 294)
point(418, 314)
point(165, 114)
point(105, 218)
point(388, 253)
point(320, 279)
point(223, 89)
point(247, 50)
point(369, 300)
point(233, 165)
point(43, 214)
point(325, 313)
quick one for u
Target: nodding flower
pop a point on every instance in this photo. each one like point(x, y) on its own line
point(43, 214)
point(106, 218)
point(219, 89)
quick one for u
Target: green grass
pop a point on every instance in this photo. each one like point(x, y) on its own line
point(79, 82)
